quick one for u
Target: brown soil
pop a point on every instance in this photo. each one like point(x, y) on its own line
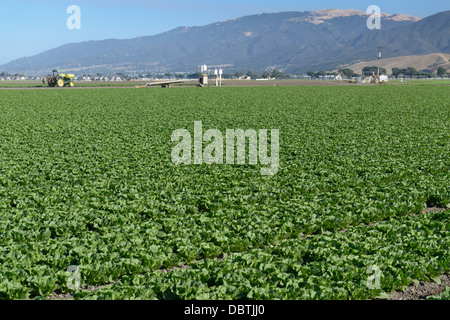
point(68, 296)
point(422, 290)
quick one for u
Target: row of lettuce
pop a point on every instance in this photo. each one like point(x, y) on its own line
point(361, 263)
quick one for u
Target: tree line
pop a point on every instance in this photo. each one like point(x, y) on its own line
point(412, 72)
point(317, 75)
point(274, 74)
point(5, 74)
point(277, 74)
point(396, 72)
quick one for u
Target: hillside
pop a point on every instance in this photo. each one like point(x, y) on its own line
point(429, 35)
point(293, 41)
point(420, 62)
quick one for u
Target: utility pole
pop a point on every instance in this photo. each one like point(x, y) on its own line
point(379, 58)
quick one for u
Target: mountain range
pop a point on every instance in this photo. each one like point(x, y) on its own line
point(290, 41)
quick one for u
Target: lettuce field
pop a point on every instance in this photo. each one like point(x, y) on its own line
point(87, 180)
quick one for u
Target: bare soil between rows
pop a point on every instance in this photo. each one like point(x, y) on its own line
point(422, 290)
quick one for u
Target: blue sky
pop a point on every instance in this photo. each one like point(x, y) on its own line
point(29, 27)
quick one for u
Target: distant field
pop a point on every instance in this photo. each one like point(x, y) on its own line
point(420, 81)
point(86, 180)
point(20, 84)
point(225, 83)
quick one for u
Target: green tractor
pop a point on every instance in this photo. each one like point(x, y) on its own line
point(59, 79)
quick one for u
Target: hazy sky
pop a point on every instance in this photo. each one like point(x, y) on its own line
point(30, 27)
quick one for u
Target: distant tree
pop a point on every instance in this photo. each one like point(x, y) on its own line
point(265, 75)
point(227, 76)
point(441, 72)
point(349, 73)
point(239, 74)
point(123, 76)
point(277, 74)
point(310, 74)
point(194, 75)
point(140, 76)
point(423, 74)
point(411, 72)
point(149, 75)
point(168, 75)
point(179, 76)
point(404, 72)
point(3, 74)
point(396, 72)
point(99, 74)
point(320, 74)
point(252, 75)
point(374, 69)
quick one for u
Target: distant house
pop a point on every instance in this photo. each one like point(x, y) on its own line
point(384, 78)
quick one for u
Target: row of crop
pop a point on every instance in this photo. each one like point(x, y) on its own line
point(111, 251)
point(326, 266)
point(329, 266)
